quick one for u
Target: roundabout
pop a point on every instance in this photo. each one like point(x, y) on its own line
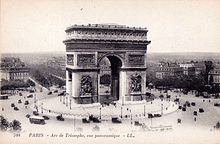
point(137, 110)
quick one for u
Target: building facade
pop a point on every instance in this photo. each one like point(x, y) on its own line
point(168, 69)
point(214, 75)
point(126, 49)
point(13, 69)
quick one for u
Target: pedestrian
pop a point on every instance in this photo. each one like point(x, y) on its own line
point(2, 109)
point(194, 118)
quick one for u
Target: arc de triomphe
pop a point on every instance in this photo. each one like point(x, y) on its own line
point(126, 49)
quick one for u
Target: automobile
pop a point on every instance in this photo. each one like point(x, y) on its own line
point(50, 93)
point(30, 96)
point(27, 115)
point(201, 110)
point(55, 91)
point(185, 92)
point(35, 113)
point(94, 119)
point(12, 105)
point(46, 117)
point(26, 102)
point(116, 120)
point(177, 100)
point(61, 94)
point(150, 115)
point(16, 108)
point(195, 113)
point(31, 91)
point(216, 104)
point(187, 103)
point(183, 108)
point(180, 107)
point(60, 118)
point(179, 120)
point(19, 101)
point(157, 115)
point(20, 94)
point(36, 120)
point(85, 120)
point(193, 103)
point(137, 123)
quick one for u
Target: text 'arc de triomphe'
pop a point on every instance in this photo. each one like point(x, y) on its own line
point(126, 49)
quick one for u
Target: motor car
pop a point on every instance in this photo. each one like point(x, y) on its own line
point(116, 120)
point(94, 119)
point(26, 102)
point(187, 102)
point(183, 108)
point(157, 115)
point(55, 91)
point(201, 110)
point(30, 96)
point(31, 91)
point(16, 108)
point(12, 105)
point(20, 94)
point(36, 120)
point(49, 93)
point(35, 113)
point(137, 123)
point(180, 107)
point(179, 120)
point(177, 100)
point(150, 115)
point(19, 101)
point(27, 115)
point(195, 113)
point(85, 120)
point(45, 117)
point(60, 118)
point(217, 104)
point(193, 103)
point(61, 94)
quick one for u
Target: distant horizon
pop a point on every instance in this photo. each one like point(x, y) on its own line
point(40, 52)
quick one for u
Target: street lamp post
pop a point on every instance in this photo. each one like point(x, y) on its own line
point(66, 101)
point(70, 103)
point(121, 112)
point(42, 108)
point(100, 112)
point(63, 99)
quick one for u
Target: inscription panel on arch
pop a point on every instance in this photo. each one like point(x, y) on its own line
point(136, 60)
point(86, 59)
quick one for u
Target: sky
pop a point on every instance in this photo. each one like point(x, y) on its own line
point(174, 25)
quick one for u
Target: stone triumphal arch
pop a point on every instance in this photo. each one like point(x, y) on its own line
point(124, 47)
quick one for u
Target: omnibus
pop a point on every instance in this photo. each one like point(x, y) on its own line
point(37, 120)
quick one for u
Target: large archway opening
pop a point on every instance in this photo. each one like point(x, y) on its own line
point(109, 79)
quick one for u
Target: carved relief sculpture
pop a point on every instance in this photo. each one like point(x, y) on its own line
point(86, 85)
point(135, 85)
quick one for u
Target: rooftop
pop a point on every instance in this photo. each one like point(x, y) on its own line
point(105, 26)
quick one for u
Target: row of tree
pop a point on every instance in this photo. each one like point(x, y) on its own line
point(5, 125)
point(14, 84)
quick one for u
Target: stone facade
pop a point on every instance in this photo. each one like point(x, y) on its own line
point(125, 47)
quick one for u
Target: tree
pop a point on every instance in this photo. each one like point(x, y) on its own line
point(15, 125)
point(4, 124)
point(208, 68)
